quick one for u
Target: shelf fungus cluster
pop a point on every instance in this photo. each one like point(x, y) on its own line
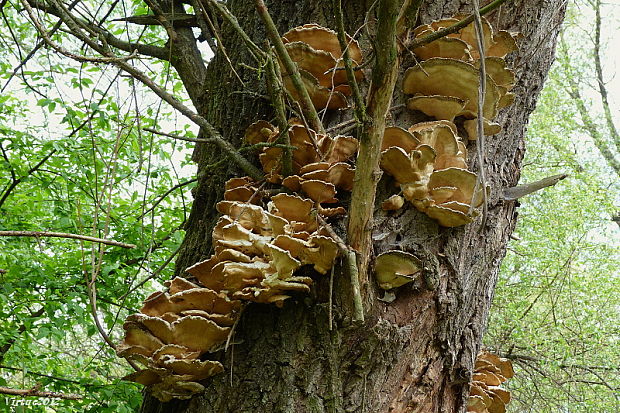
point(257, 251)
point(318, 55)
point(172, 332)
point(428, 162)
point(260, 242)
point(486, 395)
point(445, 83)
point(320, 164)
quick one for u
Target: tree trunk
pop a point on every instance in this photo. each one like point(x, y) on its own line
point(412, 355)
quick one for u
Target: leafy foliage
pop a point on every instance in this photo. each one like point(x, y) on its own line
point(74, 159)
point(557, 299)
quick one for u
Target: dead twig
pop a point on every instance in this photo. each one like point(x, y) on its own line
point(482, 88)
point(516, 192)
point(351, 268)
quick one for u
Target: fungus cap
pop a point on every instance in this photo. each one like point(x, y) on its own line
point(393, 203)
point(396, 268)
point(450, 77)
point(321, 38)
point(437, 106)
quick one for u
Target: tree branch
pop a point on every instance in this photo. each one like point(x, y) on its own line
point(516, 192)
point(126, 46)
point(17, 181)
point(34, 392)
point(367, 172)
point(611, 127)
point(165, 194)
point(21, 370)
point(49, 234)
point(588, 123)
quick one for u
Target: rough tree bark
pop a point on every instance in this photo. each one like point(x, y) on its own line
point(416, 353)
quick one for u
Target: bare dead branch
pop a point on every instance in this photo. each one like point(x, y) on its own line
point(516, 192)
point(48, 234)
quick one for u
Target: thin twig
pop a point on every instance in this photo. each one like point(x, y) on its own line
point(232, 20)
point(482, 89)
point(155, 273)
point(291, 68)
point(220, 43)
point(21, 370)
point(17, 181)
point(49, 234)
point(205, 125)
point(65, 52)
point(351, 268)
point(455, 27)
point(276, 91)
point(360, 107)
point(34, 392)
point(330, 303)
point(165, 194)
point(178, 137)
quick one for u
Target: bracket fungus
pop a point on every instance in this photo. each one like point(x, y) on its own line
point(170, 334)
point(428, 162)
point(396, 268)
point(313, 152)
point(317, 53)
point(486, 395)
point(445, 83)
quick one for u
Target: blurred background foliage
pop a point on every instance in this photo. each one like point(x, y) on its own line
point(75, 158)
point(557, 302)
